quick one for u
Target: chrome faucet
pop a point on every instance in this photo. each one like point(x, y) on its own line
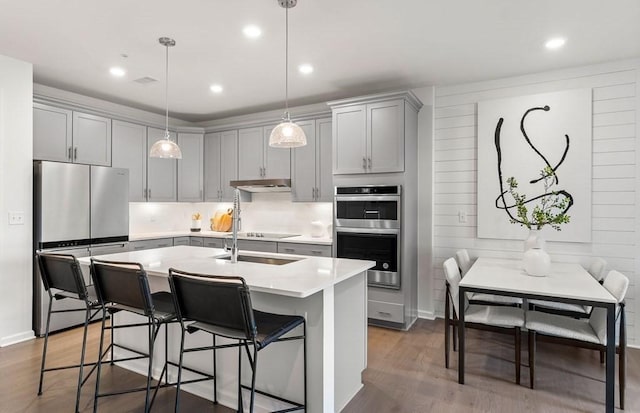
point(236, 225)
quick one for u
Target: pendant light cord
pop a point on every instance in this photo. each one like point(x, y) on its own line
point(286, 63)
point(166, 93)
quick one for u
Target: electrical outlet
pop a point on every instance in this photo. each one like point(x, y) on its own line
point(16, 218)
point(462, 217)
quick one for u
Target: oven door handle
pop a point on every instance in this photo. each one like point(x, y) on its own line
point(366, 231)
point(368, 212)
point(367, 198)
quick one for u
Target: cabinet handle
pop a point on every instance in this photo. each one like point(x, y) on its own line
point(75, 153)
point(316, 252)
point(70, 153)
point(289, 250)
point(313, 193)
point(369, 163)
point(384, 313)
point(364, 162)
point(149, 193)
point(264, 171)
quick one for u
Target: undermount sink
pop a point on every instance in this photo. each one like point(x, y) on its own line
point(260, 260)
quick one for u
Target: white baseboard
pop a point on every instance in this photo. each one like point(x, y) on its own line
point(427, 315)
point(17, 338)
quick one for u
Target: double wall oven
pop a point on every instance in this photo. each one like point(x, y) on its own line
point(367, 226)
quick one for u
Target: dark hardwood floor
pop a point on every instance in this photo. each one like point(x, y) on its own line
point(405, 374)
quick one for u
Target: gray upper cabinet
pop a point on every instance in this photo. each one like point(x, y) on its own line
point(277, 161)
point(66, 136)
point(350, 140)
point(369, 137)
point(221, 164)
point(250, 154)
point(257, 160)
point(312, 179)
point(130, 151)
point(190, 168)
point(161, 173)
point(52, 129)
point(91, 139)
point(385, 136)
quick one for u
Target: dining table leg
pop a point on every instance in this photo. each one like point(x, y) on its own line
point(610, 382)
point(461, 297)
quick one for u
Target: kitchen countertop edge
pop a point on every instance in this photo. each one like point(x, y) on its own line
point(299, 239)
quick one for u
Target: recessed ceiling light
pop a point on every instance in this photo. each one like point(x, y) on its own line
point(252, 32)
point(555, 43)
point(305, 69)
point(117, 71)
point(216, 88)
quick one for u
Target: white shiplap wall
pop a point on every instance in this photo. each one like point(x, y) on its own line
point(615, 213)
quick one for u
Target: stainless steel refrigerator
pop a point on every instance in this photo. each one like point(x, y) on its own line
point(81, 210)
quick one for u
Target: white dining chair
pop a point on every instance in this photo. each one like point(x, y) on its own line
point(590, 334)
point(464, 264)
point(502, 319)
point(596, 269)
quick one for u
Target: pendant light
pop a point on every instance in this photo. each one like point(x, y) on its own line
point(287, 134)
point(166, 148)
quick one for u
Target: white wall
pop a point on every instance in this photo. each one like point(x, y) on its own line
point(272, 212)
point(615, 171)
point(16, 146)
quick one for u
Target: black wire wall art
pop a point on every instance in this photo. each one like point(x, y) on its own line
point(550, 206)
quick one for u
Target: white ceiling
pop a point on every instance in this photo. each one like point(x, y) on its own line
point(356, 46)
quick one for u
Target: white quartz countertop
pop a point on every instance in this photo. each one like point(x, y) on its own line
point(301, 278)
point(301, 239)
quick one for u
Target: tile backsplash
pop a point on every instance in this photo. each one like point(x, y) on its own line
point(269, 212)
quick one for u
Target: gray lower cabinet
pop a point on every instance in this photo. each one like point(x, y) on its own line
point(315, 250)
point(196, 241)
point(190, 168)
point(220, 165)
point(129, 150)
point(161, 173)
point(66, 136)
point(385, 311)
point(150, 243)
point(214, 242)
point(262, 246)
point(181, 241)
point(311, 173)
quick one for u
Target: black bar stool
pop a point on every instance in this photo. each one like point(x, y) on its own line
point(221, 305)
point(62, 279)
point(123, 286)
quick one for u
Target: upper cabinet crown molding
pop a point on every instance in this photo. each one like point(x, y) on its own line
point(407, 95)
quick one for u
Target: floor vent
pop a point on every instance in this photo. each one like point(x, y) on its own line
point(145, 80)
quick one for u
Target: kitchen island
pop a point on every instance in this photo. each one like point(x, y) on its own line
point(331, 293)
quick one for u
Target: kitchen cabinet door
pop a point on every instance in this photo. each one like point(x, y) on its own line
point(129, 150)
point(250, 153)
point(262, 246)
point(350, 139)
point(91, 139)
point(190, 168)
point(221, 165)
point(228, 163)
point(161, 173)
point(181, 241)
point(385, 136)
point(52, 133)
point(212, 167)
point(303, 166)
point(324, 157)
point(277, 161)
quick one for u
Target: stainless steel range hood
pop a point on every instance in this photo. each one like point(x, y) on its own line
point(263, 185)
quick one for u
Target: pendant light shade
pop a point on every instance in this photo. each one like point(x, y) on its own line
point(166, 148)
point(287, 134)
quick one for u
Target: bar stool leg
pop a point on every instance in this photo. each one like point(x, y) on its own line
point(180, 360)
point(254, 367)
point(100, 355)
point(240, 403)
point(44, 349)
point(215, 373)
point(304, 346)
point(149, 371)
point(84, 346)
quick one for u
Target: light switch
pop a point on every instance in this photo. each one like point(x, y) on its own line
point(462, 217)
point(16, 218)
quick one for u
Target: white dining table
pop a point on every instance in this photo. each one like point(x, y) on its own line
point(567, 283)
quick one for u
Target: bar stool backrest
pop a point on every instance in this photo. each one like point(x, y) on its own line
point(123, 283)
point(62, 272)
point(219, 301)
